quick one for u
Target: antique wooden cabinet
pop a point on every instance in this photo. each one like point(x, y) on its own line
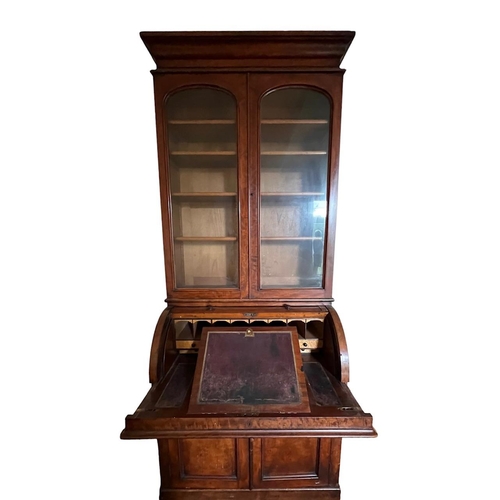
point(249, 364)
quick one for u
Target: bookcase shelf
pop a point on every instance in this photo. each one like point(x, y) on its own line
point(293, 122)
point(201, 122)
point(203, 153)
point(282, 194)
point(205, 238)
point(202, 194)
point(292, 153)
point(290, 238)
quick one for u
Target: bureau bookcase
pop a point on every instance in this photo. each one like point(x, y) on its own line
point(249, 364)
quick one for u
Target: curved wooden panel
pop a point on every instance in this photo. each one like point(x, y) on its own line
point(343, 354)
point(156, 356)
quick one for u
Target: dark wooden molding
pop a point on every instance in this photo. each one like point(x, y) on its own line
point(152, 425)
point(309, 493)
point(259, 50)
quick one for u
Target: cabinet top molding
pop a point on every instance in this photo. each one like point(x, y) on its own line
point(248, 50)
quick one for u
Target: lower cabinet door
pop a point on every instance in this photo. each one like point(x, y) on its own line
point(207, 463)
point(290, 462)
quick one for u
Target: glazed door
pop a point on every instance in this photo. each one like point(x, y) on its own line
point(202, 120)
point(295, 127)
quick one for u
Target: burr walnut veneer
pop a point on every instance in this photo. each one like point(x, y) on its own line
point(249, 364)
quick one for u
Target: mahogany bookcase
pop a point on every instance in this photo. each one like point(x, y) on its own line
point(249, 363)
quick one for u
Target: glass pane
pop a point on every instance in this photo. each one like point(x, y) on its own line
point(295, 124)
point(201, 127)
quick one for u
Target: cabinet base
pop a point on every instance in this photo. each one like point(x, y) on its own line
point(332, 494)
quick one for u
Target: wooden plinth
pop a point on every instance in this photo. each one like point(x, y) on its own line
point(333, 494)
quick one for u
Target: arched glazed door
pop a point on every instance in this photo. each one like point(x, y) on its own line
point(294, 175)
point(204, 203)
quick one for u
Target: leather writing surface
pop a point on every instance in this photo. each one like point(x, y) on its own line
point(177, 387)
point(254, 370)
point(321, 387)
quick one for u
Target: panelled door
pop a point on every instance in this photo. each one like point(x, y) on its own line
point(290, 463)
point(255, 463)
point(204, 463)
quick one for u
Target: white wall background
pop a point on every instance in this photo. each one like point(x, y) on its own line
point(417, 273)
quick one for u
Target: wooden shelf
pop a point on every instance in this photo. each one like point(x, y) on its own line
point(202, 122)
point(292, 153)
point(290, 238)
point(295, 194)
point(206, 238)
point(294, 122)
point(203, 153)
point(203, 164)
point(204, 195)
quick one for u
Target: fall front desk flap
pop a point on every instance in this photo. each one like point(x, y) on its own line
point(243, 370)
